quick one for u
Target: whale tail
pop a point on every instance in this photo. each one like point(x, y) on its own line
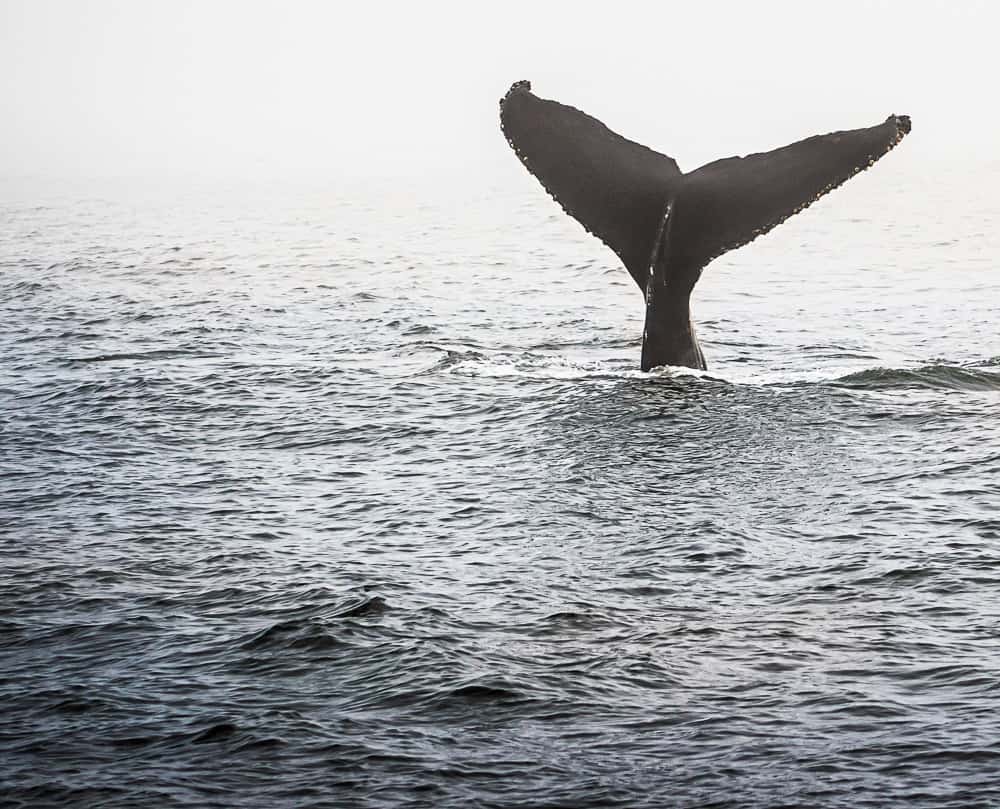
point(665, 225)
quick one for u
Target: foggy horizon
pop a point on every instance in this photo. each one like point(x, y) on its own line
point(311, 91)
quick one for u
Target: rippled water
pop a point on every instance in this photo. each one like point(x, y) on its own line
point(355, 498)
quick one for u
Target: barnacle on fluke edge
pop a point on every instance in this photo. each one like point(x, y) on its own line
point(665, 225)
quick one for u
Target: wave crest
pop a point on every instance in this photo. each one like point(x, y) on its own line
point(948, 377)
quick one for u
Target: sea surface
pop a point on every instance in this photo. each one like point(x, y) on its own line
point(353, 496)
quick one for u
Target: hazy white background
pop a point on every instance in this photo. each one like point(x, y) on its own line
point(334, 90)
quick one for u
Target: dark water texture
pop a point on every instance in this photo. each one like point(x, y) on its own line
point(356, 499)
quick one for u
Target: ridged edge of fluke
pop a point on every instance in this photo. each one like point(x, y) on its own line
point(517, 86)
point(903, 127)
point(524, 86)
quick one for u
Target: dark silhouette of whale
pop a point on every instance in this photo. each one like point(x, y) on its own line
point(665, 225)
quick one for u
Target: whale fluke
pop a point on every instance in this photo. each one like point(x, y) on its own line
point(664, 225)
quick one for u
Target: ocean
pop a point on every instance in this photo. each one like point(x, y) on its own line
point(353, 495)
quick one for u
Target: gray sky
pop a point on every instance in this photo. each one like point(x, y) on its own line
point(329, 89)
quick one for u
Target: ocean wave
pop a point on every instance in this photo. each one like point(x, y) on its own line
point(543, 367)
point(156, 354)
point(949, 377)
point(530, 365)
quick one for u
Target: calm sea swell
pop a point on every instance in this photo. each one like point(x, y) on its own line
point(313, 500)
